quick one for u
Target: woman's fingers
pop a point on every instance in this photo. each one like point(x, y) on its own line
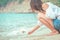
point(30, 33)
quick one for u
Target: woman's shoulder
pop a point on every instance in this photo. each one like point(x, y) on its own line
point(50, 4)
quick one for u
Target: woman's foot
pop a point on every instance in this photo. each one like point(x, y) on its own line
point(52, 33)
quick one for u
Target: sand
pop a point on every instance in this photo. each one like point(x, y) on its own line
point(38, 37)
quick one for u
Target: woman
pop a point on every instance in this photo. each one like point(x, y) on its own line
point(48, 14)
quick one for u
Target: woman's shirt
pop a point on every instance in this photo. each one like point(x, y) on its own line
point(53, 11)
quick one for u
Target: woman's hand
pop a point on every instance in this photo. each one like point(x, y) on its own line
point(30, 32)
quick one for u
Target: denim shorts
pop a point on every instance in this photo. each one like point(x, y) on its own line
point(56, 24)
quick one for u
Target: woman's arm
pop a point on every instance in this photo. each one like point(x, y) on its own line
point(34, 29)
point(46, 21)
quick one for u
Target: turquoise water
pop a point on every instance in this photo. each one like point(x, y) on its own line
point(13, 22)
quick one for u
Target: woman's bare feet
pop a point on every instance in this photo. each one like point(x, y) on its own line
point(52, 33)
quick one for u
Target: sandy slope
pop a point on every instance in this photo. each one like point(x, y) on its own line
point(16, 7)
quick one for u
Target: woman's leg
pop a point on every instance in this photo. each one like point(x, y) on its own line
point(49, 24)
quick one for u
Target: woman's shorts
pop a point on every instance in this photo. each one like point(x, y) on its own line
point(56, 24)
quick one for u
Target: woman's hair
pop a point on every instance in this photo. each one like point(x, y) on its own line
point(36, 5)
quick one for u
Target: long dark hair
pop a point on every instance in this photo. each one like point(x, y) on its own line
point(36, 5)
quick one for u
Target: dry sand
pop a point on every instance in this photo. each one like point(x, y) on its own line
point(55, 37)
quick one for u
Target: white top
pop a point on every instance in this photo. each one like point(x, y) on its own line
point(52, 12)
